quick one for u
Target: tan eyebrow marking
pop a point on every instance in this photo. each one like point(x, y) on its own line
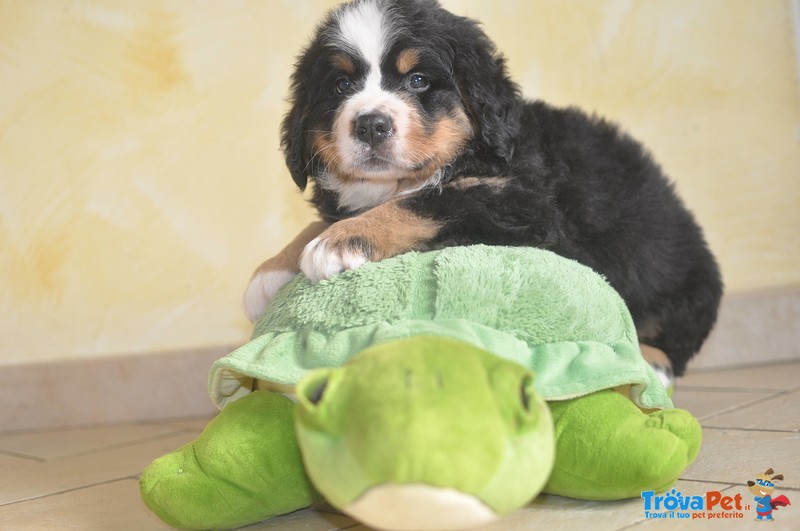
point(343, 62)
point(407, 60)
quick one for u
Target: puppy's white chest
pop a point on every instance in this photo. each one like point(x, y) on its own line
point(362, 195)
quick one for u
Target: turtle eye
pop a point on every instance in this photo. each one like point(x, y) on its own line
point(312, 388)
point(316, 393)
point(525, 392)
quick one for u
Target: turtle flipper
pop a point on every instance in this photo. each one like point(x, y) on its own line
point(245, 467)
point(608, 449)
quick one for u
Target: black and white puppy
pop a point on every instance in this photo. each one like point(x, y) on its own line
point(405, 119)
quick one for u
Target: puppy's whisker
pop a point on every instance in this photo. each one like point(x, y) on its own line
point(319, 152)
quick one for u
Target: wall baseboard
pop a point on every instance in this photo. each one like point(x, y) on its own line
point(107, 390)
point(752, 328)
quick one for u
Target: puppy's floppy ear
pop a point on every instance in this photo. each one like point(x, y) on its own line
point(293, 139)
point(492, 100)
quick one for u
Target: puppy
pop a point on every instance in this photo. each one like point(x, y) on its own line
point(415, 138)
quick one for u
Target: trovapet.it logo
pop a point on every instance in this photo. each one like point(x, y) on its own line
point(674, 505)
point(762, 489)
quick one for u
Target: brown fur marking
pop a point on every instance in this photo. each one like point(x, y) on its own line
point(407, 60)
point(423, 155)
point(343, 63)
point(654, 355)
point(325, 150)
point(382, 232)
point(449, 136)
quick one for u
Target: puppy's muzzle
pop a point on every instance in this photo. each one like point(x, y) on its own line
point(373, 128)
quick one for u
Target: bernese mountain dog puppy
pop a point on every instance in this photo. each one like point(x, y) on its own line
point(415, 138)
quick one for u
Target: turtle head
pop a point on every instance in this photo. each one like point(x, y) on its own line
point(425, 432)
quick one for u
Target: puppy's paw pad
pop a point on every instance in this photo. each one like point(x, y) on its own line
point(323, 257)
point(262, 288)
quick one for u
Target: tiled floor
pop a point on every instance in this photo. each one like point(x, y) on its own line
point(87, 478)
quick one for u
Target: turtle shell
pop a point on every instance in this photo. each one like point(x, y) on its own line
point(531, 306)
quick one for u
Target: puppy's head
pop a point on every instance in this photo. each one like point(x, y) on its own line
point(393, 90)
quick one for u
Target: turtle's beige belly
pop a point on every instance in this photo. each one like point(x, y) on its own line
point(419, 507)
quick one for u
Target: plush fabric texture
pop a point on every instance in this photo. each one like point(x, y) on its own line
point(426, 410)
point(547, 313)
point(608, 449)
point(245, 467)
point(405, 377)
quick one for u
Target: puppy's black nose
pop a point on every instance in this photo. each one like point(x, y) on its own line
point(373, 128)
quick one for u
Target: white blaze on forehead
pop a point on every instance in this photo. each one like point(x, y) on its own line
point(365, 29)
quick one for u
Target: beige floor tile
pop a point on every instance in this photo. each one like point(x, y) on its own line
point(24, 481)
point(704, 403)
point(325, 507)
point(306, 520)
point(10, 462)
point(55, 444)
point(104, 507)
point(785, 519)
point(89, 481)
point(779, 413)
point(554, 512)
point(777, 376)
point(196, 424)
point(736, 456)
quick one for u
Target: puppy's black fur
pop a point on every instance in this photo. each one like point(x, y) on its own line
point(572, 183)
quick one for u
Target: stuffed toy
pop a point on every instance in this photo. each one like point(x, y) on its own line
point(435, 390)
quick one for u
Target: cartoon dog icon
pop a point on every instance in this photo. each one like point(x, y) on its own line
point(762, 488)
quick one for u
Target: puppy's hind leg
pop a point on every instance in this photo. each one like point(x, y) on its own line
point(661, 365)
point(686, 315)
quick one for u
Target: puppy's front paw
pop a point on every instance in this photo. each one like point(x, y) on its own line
point(262, 288)
point(329, 255)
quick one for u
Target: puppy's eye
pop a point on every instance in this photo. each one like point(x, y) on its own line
point(343, 85)
point(418, 82)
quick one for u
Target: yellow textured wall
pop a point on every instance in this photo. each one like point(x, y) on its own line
point(140, 178)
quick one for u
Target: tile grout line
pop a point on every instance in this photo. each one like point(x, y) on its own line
point(742, 366)
point(125, 444)
point(95, 425)
point(22, 456)
point(739, 407)
point(101, 449)
point(731, 485)
point(715, 482)
point(743, 390)
point(742, 407)
point(762, 430)
point(65, 491)
point(734, 409)
point(175, 420)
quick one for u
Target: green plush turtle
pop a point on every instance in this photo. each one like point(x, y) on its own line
point(420, 385)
